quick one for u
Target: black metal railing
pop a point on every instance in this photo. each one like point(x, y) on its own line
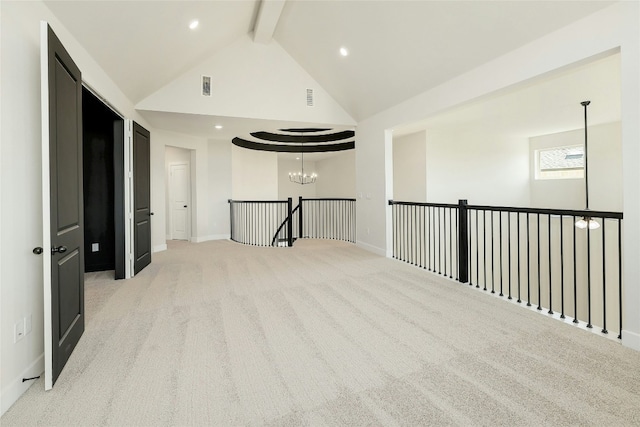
point(425, 234)
point(278, 223)
point(327, 219)
point(255, 222)
point(535, 256)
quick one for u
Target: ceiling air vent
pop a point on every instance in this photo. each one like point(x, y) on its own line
point(309, 97)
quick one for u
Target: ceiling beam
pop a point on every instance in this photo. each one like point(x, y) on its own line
point(267, 21)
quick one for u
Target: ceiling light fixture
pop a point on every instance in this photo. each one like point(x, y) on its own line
point(194, 24)
point(301, 177)
point(218, 126)
point(344, 51)
point(586, 221)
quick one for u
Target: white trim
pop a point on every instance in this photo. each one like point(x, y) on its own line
point(128, 198)
point(376, 250)
point(211, 237)
point(631, 339)
point(46, 203)
point(102, 99)
point(159, 248)
point(12, 392)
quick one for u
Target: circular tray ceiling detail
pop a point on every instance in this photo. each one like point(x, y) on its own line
point(307, 140)
point(305, 130)
point(301, 139)
point(283, 148)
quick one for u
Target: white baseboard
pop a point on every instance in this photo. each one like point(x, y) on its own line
point(13, 391)
point(159, 248)
point(376, 250)
point(211, 237)
point(631, 340)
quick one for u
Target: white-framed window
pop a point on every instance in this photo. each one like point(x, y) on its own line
point(560, 162)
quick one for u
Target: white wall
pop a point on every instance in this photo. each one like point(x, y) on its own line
point(287, 188)
point(21, 292)
point(605, 171)
point(484, 169)
point(337, 176)
point(254, 174)
point(252, 80)
point(173, 155)
point(410, 167)
point(219, 189)
point(616, 27)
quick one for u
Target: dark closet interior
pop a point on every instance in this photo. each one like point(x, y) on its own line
point(103, 198)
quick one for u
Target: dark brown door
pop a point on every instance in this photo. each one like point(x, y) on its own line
point(142, 198)
point(66, 302)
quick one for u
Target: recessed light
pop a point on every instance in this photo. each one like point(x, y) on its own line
point(218, 126)
point(344, 51)
point(193, 24)
point(297, 158)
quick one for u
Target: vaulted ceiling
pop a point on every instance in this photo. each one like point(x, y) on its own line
point(397, 49)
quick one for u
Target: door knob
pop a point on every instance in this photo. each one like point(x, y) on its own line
point(38, 250)
point(59, 249)
point(184, 206)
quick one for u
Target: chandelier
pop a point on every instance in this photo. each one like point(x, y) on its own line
point(300, 177)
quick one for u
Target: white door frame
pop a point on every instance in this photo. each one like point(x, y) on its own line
point(128, 198)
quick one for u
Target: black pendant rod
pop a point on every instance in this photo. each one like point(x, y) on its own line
point(586, 170)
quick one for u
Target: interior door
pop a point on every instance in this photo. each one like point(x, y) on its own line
point(63, 233)
point(179, 198)
point(141, 198)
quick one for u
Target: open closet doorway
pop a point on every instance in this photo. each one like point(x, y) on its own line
point(178, 197)
point(103, 176)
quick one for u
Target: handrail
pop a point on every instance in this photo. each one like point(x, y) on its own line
point(330, 199)
point(434, 205)
point(256, 201)
point(288, 218)
point(544, 211)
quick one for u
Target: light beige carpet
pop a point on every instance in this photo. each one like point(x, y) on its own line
point(323, 333)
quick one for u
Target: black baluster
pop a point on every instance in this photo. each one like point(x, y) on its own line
point(428, 231)
point(477, 253)
point(604, 281)
point(484, 249)
point(492, 270)
point(550, 300)
point(575, 276)
point(539, 283)
point(450, 243)
point(413, 235)
point(561, 267)
point(509, 250)
point(589, 325)
point(419, 236)
point(470, 250)
point(500, 237)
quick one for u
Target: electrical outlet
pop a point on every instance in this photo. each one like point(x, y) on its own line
point(27, 325)
point(18, 331)
point(95, 247)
